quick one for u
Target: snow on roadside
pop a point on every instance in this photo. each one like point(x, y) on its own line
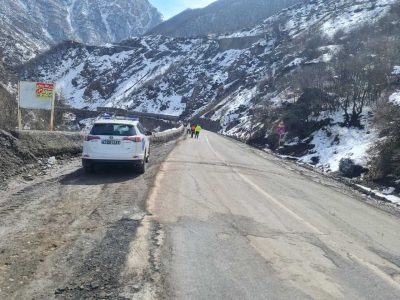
point(335, 142)
point(395, 98)
point(391, 198)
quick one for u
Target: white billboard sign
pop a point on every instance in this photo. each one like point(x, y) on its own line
point(36, 95)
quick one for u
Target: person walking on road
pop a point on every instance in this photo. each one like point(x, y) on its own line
point(193, 128)
point(198, 129)
point(188, 128)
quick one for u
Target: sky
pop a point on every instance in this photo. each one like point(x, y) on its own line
point(170, 8)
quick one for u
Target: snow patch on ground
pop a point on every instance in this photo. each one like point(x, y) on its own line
point(228, 112)
point(294, 63)
point(395, 98)
point(227, 58)
point(282, 97)
point(173, 103)
point(383, 194)
point(396, 70)
point(332, 143)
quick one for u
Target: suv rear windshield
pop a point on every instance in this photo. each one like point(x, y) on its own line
point(113, 129)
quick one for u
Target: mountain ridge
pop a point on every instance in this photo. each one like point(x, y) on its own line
point(151, 65)
point(29, 27)
point(220, 17)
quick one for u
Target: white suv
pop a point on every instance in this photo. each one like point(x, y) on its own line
point(116, 140)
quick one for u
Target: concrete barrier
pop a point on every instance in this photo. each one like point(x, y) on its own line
point(162, 137)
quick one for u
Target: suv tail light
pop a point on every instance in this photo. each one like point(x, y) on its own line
point(92, 138)
point(135, 139)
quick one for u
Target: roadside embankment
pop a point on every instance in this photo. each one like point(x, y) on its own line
point(29, 151)
point(51, 143)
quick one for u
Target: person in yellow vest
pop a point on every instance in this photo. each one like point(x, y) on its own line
point(193, 129)
point(198, 129)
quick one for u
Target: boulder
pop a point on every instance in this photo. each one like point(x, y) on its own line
point(348, 168)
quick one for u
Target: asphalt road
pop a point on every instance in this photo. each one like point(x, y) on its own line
point(239, 224)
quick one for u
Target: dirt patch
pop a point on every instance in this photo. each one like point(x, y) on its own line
point(15, 157)
point(28, 152)
point(98, 274)
point(46, 143)
point(68, 235)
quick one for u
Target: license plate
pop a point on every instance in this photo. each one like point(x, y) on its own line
point(111, 142)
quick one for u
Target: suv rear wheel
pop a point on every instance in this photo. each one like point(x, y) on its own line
point(142, 167)
point(142, 164)
point(148, 156)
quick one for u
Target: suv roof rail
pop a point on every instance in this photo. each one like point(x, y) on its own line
point(104, 116)
point(130, 118)
point(107, 116)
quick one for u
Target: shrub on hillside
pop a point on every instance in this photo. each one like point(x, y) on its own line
point(301, 117)
point(386, 159)
point(358, 82)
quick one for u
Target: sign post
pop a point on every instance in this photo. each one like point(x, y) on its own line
point(52, 113)
point(36, 95)
point(281, 130)
point(19, 107)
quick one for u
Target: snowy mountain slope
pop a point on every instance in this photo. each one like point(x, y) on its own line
point(21, 37)
point(189, 76)
point(223, 16)
point(27, 27)
point(109, 75)
point(97, 22)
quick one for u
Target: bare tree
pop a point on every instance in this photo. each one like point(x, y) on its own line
point(356, 84)
point(313, 76)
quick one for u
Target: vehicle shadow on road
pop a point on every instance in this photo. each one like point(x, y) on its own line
point(102, 175)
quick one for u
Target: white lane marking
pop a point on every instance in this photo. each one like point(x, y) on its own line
point(370, 266)
point(264, 193)
point(277, 202)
